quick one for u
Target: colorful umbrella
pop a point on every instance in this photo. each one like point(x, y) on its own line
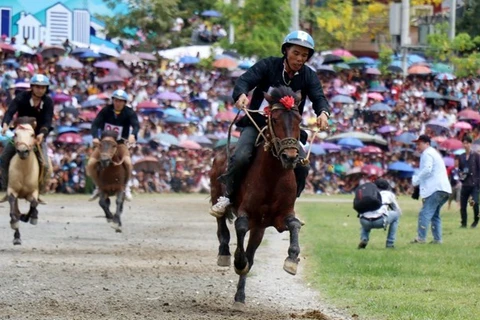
point(468, 114)
point(225, 63)
point(147, 105)
point(463, 125)
point(70, 138)
point(451, 144)
point(400, 166)
point(375, 96)
point(189, 144)
point(61, 98)
point(372, 170)
point(340, 98)
point(373, 71)
point(165, 137)
point(343, 53)
point(169, 95)
point(369, 149)
point(106, 64)
point(387, 129)
point(419, 69)
point(71, 63)
point(445, 76)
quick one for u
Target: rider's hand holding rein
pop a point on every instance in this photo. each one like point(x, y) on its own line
point(96, 142)
point(40, 138)
point(131, 139)
point(4, 129)
point(242, 101)
point(322, 121)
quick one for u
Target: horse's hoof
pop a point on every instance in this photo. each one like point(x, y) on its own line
point(14, 225)
point(239, 306)
point(24, 218)
point(118, 230)
point(109, 220)
point(290, 266)
point(224, 261)
point(242, 272)
point(116, 226)
point(17, 241)
point(34, 221)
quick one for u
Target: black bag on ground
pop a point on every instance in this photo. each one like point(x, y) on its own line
point(367, 198)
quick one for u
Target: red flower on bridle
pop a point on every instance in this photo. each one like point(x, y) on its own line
point(288, 102)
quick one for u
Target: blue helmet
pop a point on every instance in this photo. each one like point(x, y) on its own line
point(120, 95)
point(299, 38)
point(40, 80)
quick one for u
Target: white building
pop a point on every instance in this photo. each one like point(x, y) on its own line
point(81, 23)
point(29, 27)
point(59, 23)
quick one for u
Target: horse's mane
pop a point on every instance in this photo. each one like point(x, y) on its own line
point(282, 91)
point(110, 134)
point(26, 120)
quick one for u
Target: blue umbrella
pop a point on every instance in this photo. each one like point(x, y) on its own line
point(189, 60)
point(211, 13)
point(380, 107)
point(93, 103)
point(350, 142)
point(245, 64)
point(165, 137)
point(432, 95)
point(317, 149)
point(173, 112)
point(368, 60)
point(85, 126)
point(88, 139)
point(155, 111)
point(400, 166)
point(63, 129)
point(342, 66)
point(89, 54)
point(340, 98)
point(11, 63)
point(406, 137)
point(378, 89)
point(173, 119)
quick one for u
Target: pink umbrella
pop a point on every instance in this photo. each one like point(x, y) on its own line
point(469, 114)
point(369, 149)
point(375, 96)
point(342, 53)
point(169, 95)
point(147, 105)
point(70, 138)
point(451, 144)
point(372, 170)
point(106, 64)
point(61, 98)
point(439, 139)
point(463, 125)
point(189, 144)
point(373, 71)
point(225, 115)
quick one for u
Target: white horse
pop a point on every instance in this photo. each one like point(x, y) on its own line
point(23, 175)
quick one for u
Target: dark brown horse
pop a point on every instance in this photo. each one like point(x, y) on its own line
point(110, 175)
point(267, 193)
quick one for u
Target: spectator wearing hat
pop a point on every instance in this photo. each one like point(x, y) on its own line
point(434, 188)
point(469, 166)
point(387, 215)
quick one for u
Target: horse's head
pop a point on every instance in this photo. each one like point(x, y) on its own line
point(284, 124)
point(24, 137)
point(108, 147)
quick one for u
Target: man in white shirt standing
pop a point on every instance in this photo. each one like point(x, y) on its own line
point(435, 189)
point(387, 215)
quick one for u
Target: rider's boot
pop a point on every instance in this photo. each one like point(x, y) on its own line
point(128, 192)
point(228, 179)
point(301, 173)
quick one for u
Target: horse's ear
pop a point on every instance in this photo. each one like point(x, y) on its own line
point(268, 97)
point(34, 124)
point(298, 95)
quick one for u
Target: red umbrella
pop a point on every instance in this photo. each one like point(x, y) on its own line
point(369, 149)
point(6, 47)
point(70, 138)
point(375, 96)
point(147, 105)
point(226, 115)
point(372, 170)
point(189, 144)
point(451, 144)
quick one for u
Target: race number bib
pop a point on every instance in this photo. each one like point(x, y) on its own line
point(112, 127)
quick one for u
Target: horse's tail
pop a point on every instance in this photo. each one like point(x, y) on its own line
point(230, 215)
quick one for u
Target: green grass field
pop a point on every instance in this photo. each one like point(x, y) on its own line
point(412, 281)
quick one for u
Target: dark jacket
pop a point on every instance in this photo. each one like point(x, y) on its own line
point(22, 107)
point(107, 119)
point(470, 169)
point(268, 72)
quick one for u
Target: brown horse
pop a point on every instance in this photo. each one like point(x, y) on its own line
point(23, 173)
point(267, 193)
point(110, 175)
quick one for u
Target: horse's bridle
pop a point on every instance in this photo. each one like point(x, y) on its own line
point(279, 145)
point(21, 143)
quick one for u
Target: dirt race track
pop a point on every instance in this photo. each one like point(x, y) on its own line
point(73, 266)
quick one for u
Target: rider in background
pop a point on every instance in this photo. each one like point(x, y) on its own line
point(37, 104)
point(289, 70)
point(118, 118)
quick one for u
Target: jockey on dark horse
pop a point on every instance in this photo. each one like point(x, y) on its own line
point(289, 70)
point(117, 117)
point(37, 104)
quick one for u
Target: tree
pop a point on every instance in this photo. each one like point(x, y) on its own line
point(385, 58)
point(148, 21)
point(341, 22)
point(260, 26)
point(471, 15)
